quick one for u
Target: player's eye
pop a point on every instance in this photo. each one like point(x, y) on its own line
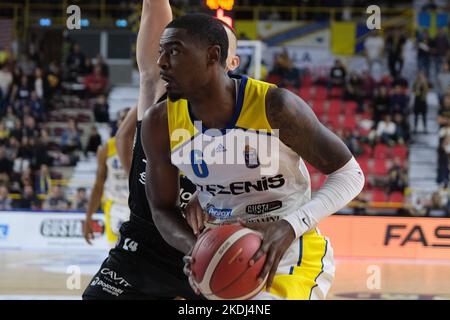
point(174, 51)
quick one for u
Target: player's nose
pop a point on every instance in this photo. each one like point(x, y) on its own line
point(163, 61)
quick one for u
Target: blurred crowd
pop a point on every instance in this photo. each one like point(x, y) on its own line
point(30, 101)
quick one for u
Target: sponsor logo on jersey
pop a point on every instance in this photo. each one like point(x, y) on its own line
point(261, 208)
point(4, 230)
point(241, 187)
point(69, 228)
point(219, 213)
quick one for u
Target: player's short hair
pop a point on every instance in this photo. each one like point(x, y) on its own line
point(206, 29)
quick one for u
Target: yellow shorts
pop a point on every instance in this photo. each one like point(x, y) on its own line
point(305, 272)
point(115, 215)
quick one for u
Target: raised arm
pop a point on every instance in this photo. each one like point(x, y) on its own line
point(162, 181)
point(156, 14)
point(124, 139)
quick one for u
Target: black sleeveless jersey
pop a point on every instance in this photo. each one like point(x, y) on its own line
point(137, 199)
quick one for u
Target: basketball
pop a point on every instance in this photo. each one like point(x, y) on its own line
point(220, 266)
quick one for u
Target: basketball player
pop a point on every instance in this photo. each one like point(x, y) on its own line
point(299, 264)
point(111, 181)
point(143, 265)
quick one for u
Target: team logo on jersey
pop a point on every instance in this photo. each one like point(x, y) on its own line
point(219, 213)
point(251, 157)
point(261, 208)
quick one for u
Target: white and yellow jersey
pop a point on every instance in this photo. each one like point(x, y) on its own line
point(116, 185)
point(244, 171)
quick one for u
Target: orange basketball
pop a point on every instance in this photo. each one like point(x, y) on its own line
point(220, 266)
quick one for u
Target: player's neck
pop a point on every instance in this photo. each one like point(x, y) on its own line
point(214, 105)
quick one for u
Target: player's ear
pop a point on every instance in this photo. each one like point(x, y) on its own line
point(234, 63)
point(214, 53)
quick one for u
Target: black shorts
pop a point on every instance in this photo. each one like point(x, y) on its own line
point(141, 266)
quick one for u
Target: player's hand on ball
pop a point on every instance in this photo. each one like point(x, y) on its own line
point(187, 271)
point(195, 216)
point(276, 239)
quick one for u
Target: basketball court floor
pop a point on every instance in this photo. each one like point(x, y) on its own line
point(53, 275)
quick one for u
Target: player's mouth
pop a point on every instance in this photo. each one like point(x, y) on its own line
point(167, 79)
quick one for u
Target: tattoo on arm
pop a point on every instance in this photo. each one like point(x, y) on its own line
point(300, 129)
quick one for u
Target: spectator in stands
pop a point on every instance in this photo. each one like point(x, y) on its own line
point(351, 140)
point(423, 53)
point(380, 104)
point(27, 65)
point(6, 165)
point(443, 163)
point(403, 132)
point(6, 80)
point(5, 201)
point(4, 133)
point(436, 206)
point(442, 46)
point(10, 118)
point(386, 131)
point(443, 80)
point(398, 101)
point(420, 101)
point(103, 66)
point(42, 180)
point(75, 62)
point(360, 204)
point(338, 75)
point(373, 48)
point(17, 131)
point(284, 68)
point(95, 83)
point(71, 138)
point(40, 85)
point(95, 140)
point(394, 50)
point(12, 148)
point(88, 67)
point(101, 110)
point(28, 199)
point(21, 92)
point(398, 177)
point(355, 89)
point(444, 111)
point(56, 200)
point(37, 107)
point(30, 128)
point(81, 200)
point(54, 78)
